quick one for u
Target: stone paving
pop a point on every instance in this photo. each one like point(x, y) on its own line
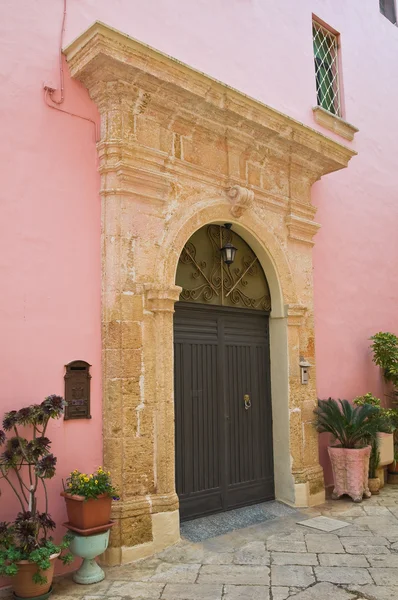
point(274, 560)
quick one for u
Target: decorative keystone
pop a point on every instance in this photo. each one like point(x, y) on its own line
point(241, 199)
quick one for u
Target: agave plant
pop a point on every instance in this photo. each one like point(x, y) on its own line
point(351, 426)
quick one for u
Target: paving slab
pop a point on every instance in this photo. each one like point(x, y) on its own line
point(170, 573)
point(292, 575)
point(324, 591)
point(377, 511)
point(389, 561)
point(236, 574)
point(324, 523)
point(280, 592)
point(374, 592)
point(245, 592)
point(368, 548)
point(343, 560)
point(294, 558)
point(253, 553)
point(342, 575)
point(384, 576)
point(325, 543)
point(192, 591)
point(286, 544)
point(136, 589)
point(353, 531)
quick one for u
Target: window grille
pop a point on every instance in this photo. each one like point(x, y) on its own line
point(387, 8)
point(326, 69)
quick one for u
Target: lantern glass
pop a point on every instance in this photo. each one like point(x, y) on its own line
point(228, 253)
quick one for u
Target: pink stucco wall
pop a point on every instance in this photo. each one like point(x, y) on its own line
point(50, 209)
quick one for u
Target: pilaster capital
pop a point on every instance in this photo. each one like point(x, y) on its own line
point(296, 314)
point(161, 298)
point(301, 229)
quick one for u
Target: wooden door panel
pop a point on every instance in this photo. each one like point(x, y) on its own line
point(198, 473)
point(223, 451)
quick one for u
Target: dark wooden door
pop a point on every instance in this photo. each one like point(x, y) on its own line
point(223, 443)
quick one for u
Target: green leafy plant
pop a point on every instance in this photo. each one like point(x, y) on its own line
point(374, 459)
point(22, 541)
point(385, 355)
point(351, 426)
point(92, 485)
point(26, 464)
point(387, 418)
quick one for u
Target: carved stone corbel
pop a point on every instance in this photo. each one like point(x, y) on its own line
point(161, 298)
point(241, 199)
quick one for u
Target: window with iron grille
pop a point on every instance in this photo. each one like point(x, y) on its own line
point(326, 69)
point(387, 8)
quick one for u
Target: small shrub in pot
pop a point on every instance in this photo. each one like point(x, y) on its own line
point(89, 498)
point(27, 550)
point(352, 429)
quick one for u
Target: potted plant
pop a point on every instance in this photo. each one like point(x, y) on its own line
point(353, 428)
point(385, 354)
point(383, 445)
point(374, 461)
point(89, 498)
point(27, 551)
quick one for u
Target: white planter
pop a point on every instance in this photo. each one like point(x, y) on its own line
point(386, 448)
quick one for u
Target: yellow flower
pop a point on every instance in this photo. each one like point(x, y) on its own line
point(96, 481)
point(86, 479)
point(109, 472)
point(91, 476)
point(70, 485)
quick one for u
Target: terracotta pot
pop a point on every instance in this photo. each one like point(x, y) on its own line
point(350, 472)
point(374, 485)
point(85, 514)
point(23, 584)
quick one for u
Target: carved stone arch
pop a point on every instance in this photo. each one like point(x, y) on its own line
point(256, 232)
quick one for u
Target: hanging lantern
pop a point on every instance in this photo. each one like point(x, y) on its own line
point(228, 251)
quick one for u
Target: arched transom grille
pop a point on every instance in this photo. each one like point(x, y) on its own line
point(206, 279)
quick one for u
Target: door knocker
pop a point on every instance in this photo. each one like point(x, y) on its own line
point(248, 404)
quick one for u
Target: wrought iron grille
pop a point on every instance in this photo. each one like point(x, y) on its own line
point(326, 69)
point(206, 279)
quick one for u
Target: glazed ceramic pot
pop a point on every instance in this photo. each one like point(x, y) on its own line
point(350, 472)
point(88, 548)
point(86, 514)
point(374, 485)
point(23, 584)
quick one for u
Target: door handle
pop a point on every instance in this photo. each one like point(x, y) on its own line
point(248, 404)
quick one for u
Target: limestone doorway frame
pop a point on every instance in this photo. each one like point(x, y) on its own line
point(180, 150)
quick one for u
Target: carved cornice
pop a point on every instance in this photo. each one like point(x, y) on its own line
point(102, 54)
